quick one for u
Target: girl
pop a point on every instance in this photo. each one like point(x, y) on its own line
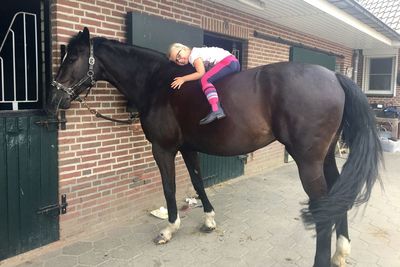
point(218, 63)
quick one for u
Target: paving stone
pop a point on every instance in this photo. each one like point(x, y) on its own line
point(106, 243)
point(230, 261)
point(120, 232)
point(78, 248)
point(61, 261)
point(31, 264)
point(93, 257)
point(125, 252)
point(145, 260)
point(116, 263)
point(51, 254)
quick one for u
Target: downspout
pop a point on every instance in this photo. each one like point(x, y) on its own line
point(356, 56)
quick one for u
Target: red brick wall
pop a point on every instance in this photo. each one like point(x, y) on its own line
point(107, 170)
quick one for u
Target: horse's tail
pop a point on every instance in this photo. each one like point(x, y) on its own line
point(360, 171)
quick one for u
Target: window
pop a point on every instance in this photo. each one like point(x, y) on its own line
point(379, 77)
point(25, 65)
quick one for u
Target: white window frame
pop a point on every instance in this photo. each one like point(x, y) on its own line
point(372, 54)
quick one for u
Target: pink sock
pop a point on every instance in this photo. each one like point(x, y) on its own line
point(214, 103)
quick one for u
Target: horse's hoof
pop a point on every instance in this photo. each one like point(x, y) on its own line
point(206, 229)
point(160, 240)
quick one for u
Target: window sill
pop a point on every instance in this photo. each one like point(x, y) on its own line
point(390, 95)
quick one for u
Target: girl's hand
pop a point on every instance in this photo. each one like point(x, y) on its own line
point(176, 84)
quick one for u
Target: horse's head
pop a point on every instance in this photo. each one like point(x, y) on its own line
point(76, 73)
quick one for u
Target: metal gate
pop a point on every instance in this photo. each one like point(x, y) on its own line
point(28, 151)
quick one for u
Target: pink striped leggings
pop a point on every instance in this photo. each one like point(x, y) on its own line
point(223, 68)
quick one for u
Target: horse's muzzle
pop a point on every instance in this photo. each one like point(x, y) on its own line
point(57, 99)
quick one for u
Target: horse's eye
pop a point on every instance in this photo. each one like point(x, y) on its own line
point(71, 59)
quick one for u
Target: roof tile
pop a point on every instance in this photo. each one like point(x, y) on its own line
point(388, 11)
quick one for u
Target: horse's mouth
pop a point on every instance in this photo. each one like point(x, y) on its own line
point(58, 101)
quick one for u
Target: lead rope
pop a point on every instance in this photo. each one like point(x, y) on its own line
point(133, 118)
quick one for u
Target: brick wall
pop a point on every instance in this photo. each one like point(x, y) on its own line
point(107, 170)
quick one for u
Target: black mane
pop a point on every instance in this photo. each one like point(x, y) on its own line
point(147, 52)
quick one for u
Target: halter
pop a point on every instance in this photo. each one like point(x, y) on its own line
point(134, 117)
point(89, 75)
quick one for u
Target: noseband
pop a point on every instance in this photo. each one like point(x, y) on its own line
point(89, 76)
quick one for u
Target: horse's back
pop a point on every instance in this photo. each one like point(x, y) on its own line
point(289, 88)
point(262, 104)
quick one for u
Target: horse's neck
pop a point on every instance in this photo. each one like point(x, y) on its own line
point(130, 70)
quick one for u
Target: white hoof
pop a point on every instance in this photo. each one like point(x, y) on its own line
point(166, 234)
point(209, 220)
point(343, 249)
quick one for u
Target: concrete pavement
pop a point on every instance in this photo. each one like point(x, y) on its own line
point(257, 225)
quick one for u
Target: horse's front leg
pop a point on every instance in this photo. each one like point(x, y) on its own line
point(165, 160)
point(193, 165)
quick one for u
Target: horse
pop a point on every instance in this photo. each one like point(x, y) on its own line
point(307, 108)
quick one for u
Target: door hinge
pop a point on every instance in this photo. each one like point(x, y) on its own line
point(61, 122)
point(59, 208)
point(243, 158)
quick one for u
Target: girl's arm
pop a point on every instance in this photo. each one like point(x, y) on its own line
point(200, 70)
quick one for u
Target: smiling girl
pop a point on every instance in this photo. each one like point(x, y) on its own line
point(211, 64)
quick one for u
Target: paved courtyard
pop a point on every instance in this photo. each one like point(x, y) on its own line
point(257, 225)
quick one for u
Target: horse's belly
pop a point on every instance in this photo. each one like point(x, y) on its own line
point(234, 143)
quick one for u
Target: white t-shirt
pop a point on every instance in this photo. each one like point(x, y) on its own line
point(209, 55)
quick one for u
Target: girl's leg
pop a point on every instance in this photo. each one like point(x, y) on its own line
point(227, 66)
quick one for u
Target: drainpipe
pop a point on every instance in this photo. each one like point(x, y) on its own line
point(356, 56)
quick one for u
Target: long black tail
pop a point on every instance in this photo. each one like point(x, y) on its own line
point(360, 172)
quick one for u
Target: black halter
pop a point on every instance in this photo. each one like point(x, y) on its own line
point(89, 75)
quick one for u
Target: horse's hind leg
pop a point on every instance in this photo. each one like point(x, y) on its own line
point(342, 233)
point(314, 184)
point(192, 163)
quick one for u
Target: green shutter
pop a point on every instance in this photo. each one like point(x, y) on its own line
point(28, 181)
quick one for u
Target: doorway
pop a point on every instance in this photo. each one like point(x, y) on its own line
point(28, 150)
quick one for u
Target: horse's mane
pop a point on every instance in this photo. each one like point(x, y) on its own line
point(148, 52)
point(127, 48)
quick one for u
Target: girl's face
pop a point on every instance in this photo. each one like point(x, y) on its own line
point(180, 56)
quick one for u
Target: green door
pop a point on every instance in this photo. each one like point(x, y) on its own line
point(28, 148)
point(216, 169)
point(298, 54)
point(28, 182)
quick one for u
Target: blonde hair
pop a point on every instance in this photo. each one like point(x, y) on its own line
point(176, 46)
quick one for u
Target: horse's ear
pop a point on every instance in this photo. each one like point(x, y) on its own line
point(85, 35)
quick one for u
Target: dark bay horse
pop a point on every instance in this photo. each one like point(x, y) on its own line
point(305, 107)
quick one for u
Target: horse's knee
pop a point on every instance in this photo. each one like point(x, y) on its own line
point(343, 249)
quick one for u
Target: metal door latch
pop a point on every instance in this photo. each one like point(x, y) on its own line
point(61, 122)
point(60, 208)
